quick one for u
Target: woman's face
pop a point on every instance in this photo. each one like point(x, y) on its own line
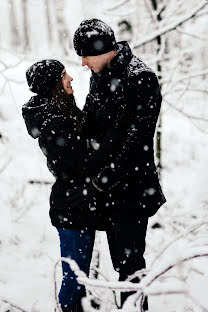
point(66, 82)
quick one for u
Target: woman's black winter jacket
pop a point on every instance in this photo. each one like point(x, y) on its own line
point(65, 148)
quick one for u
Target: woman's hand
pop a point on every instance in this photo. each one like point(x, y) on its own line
point(82, 196)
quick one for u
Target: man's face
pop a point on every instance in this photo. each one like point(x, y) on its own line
point(95, 63)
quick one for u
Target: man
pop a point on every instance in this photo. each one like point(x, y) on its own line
point(122, 109)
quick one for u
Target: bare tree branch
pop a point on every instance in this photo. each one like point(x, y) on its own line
point(169, 267)
point(147, 281)
point(40, 182)
point(3, 64)
point(6, 67)
point(172, 27)
point(191, 34)
point(171, 8)
point(162, 6)
point(197, 303)
point(11, 79)
point(188, 90)
point(152, 13)
point(126, 13)
point(186, 114)
point(161, 51)
point(14, 305)
point(5, 165)
point(198, 90)
point(117, 5)
point(55, 287)
point(187, 77)
point(3, 88)
point(139, 273)
point(202, 13)
point(144, 286)
point(184, 90)
point(182, 235)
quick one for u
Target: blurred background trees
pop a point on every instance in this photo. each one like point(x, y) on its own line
point(171, 37)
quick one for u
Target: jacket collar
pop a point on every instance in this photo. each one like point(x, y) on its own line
point(118, 63)
point(122, 58)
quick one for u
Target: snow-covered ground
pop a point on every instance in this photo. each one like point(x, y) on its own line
point(29, 246)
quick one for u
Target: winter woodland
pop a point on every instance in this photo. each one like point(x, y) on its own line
point(171, 37)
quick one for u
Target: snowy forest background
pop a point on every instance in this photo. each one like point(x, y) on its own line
point(171, 37)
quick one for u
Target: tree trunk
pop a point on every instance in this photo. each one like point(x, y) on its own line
point(63, 33)
point(48, 21)
point(15, 36)
point(159, 70)
point(25, 25)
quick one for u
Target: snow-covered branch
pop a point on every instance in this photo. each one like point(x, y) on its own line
point(12, 305)
point(113, 9)
point(6, 66)
point(146, 284)
point(152, 276)
point(172, 27)
point(184, 113)
point(190, 89)
point(188, 255)
point(11, 79)
point(161, 51)
point(183, 78)
point(138, 274)
point(203, 13)
point(191, 34)
point(120, 14)
point(198, 90)
point(5, 165)
point(152, 13)
point(182, 235)
point(117, 5)
point(5, 156)
point(76, 270)
point(3, 64)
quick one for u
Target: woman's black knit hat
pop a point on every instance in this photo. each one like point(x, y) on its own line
point(43, 76)
point(94, 37)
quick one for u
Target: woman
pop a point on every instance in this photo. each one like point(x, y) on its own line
point(53, 118)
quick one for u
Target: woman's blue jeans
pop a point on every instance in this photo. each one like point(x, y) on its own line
point(78, 245)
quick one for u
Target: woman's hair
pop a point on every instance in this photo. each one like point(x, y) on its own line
point(67, 104)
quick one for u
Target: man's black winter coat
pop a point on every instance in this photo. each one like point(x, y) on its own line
point(122, 110)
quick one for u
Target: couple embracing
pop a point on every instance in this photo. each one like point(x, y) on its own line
point(102, 157)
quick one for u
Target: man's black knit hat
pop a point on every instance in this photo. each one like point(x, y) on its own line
point(43, 76)
point(94, 37)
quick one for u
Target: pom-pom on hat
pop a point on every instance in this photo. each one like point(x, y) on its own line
point(43, 76)
point(94, 37)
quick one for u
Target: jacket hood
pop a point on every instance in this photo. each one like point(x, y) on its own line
point(35, 112)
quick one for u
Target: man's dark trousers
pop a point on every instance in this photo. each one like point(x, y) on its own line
point(127, 247)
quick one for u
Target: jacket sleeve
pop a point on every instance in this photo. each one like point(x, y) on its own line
point(62, 151)
point(144, 100)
